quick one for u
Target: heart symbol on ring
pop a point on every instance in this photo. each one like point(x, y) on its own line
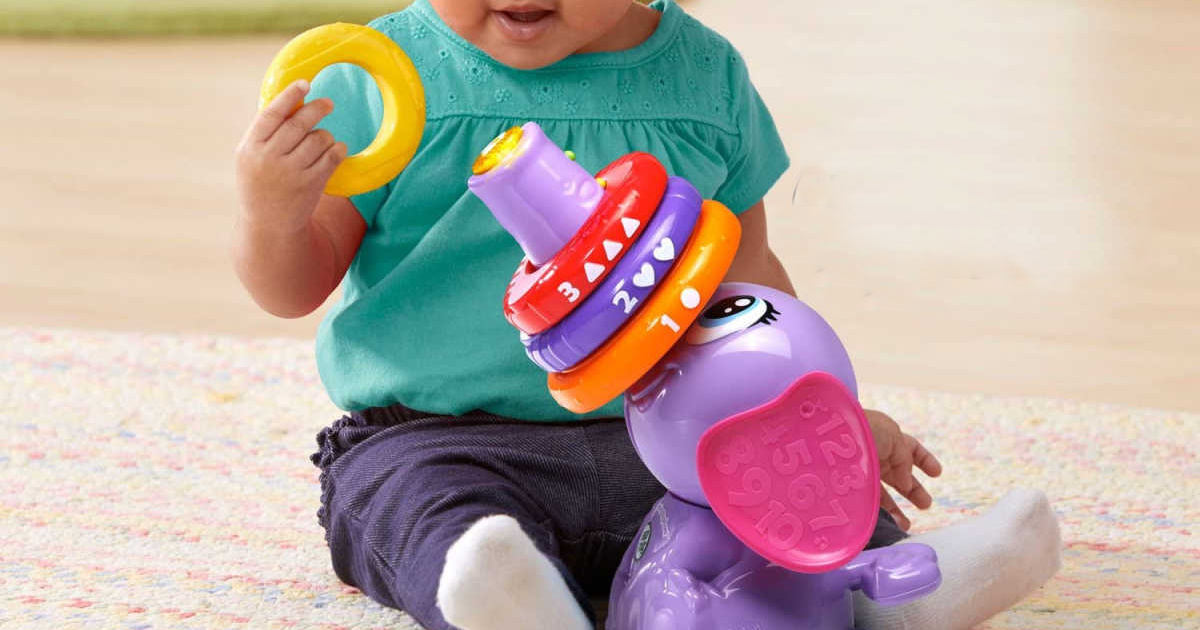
point(665, 250)
point(645, 277)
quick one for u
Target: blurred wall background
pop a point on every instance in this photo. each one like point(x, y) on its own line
point(995, 197)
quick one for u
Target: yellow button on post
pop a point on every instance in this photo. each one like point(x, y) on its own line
point(399, 85)
point(497, 151)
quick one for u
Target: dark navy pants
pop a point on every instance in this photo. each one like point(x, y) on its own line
point(399, 486)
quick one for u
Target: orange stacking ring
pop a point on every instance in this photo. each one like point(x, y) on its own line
point(539, 297)
point(661, 320)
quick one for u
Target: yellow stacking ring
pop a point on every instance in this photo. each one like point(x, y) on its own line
point(399, 85)
point(660, 322)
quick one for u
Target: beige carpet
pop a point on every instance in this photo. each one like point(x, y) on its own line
point(163, 482)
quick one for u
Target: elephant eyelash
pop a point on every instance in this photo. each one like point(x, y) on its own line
point(769, 317)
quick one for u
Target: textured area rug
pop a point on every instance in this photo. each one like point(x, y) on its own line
point(163, 482)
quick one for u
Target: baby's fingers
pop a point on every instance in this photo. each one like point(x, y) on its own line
point(298, 126)
point(277, 111)
point(311, 148)
point(889, 504)
point(925, 460)
point(917, 494)
point(900, 477)
point(329, 161)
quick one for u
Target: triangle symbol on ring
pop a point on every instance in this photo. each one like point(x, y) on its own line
point(592, 270)
point(631, 225)
point(611, 249)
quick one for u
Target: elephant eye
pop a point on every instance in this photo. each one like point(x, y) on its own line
point(729, 316)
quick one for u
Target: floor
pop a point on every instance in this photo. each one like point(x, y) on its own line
point(996, 197)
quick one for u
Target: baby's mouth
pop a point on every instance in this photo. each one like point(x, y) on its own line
point(523, 23)
point(527, 16)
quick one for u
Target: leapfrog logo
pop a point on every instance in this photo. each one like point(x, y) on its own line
point(643, 542)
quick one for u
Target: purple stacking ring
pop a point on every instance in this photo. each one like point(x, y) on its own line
point(618, 297)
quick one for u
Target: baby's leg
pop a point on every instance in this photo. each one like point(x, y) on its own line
point(399, 502)
point(988, 563)
point(495, 551)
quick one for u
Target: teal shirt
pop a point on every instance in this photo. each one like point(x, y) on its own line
point(420, 319)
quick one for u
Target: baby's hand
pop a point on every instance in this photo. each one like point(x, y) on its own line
point(283, 165)
point(898, 453)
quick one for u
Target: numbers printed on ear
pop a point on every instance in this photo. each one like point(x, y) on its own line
point(804, 491)
point(815, 471)
point(757, 484)
point(730, 457)
point(777, 522)
point(796, 478)
point(843, 483)
point(790, 456)
point(847, 449)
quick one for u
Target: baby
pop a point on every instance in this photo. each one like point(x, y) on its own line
point(456, 489)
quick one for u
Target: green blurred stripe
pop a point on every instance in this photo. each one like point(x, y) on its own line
point(45, 18)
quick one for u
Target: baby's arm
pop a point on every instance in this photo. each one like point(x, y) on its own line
point(754, 261)
point(898, 451)
point(291, 243)
point(290, 275)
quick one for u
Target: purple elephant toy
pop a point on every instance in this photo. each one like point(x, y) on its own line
point(751, 421)
point(753, 425)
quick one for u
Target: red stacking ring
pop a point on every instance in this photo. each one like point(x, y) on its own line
point(539, 297)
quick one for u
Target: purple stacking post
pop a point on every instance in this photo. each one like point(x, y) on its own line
point(539, 194)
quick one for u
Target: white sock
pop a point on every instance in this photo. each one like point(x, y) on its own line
point(496, 579)
point(988, 563)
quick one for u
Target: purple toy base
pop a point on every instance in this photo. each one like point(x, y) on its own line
point(687, 572)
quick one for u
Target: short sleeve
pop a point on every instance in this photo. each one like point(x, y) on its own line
point(357, 113)
point(757, 158)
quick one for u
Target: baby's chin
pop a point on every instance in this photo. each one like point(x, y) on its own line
point(522, 56)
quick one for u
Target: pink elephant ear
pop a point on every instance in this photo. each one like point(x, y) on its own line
point(796, 479)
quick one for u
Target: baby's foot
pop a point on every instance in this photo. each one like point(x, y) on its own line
point(988, 563)
point(495, 578)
